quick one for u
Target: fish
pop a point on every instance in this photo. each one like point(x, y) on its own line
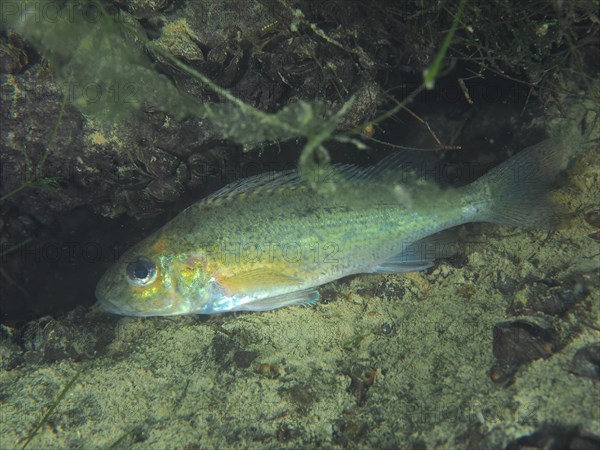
point(269, 241)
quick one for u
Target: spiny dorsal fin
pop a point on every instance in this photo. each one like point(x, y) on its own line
point(268, 182)
point(257, 184)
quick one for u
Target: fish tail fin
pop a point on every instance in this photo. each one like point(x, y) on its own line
point(517, 191)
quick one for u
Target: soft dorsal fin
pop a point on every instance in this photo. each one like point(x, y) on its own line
point(398, 165)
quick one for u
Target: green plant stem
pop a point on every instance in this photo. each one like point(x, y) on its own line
point(430, 74)
point(51, 409)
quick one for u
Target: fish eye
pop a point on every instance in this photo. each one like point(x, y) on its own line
point(142, 271)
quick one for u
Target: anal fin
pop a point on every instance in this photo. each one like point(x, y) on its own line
point(418, 255)
point(397, 264)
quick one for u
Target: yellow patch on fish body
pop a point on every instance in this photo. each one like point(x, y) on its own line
point(257, 279)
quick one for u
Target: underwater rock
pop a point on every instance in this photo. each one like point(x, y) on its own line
point(593, 218)
point(502, 373)
point(328, 294)
point(73, 337)
point(11, 355)
point(507, 286)
point(347, 432)
point(20, 227)
point(549, 299)
point(556, 437)
point(13, 54)
point(243, 358)
point(388, 328)
point(586, 362)
point(142, 166)
point(553, 297)
point(145, 8)
point(302, 395)
point(268, 370)
point(524, 340)
point(390, 289)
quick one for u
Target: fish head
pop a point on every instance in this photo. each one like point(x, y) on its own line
point(147, 281)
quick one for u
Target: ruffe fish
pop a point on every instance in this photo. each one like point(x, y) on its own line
point(268, 241)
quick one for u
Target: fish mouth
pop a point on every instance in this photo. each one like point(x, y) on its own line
point(111, 306)
point(107, 302)
point(114, 307)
